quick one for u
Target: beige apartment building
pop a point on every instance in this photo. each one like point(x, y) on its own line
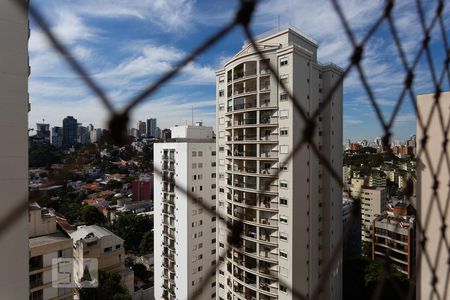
point(428, 205)
point(13, 151)
point(46, 243)
point(373, 203)
point(185, 233)
point(292, 225)
point(97, 242)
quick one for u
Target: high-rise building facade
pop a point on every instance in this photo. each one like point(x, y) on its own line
point(185, 234)
point(432, 197)
point(142, 129)
point(14, 105)
point(57, 136)
point(151, 128)
point(70, 129)
point(43, 132)
point(291, 220)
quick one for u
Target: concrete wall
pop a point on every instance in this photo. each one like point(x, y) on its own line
point(425, 198)
point(13, 151)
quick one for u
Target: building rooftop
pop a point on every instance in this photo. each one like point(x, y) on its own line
point(85, 232)
point(48, 239)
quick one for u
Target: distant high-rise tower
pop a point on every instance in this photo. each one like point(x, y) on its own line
point(43, 132)
point(151, 128)
point(185, 234)
point(142, 129)
point(14, 106)
point(57, 136)
point(292, 221)
point(70, 127)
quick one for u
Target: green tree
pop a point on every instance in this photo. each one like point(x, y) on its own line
point(141, 271)
point(43, 156)
point(132, 228)
point(146, 244)
point(91, 215)
point(110, 287)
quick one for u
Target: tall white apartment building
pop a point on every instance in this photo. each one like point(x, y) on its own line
point(14, 70)
point(373, 203)
point(429, 204)
point(292, 226)
point(185, 234)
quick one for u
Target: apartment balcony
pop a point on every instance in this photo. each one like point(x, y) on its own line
point(169, 255)
point(247, 105)
point(273, 204)
point(245, 122)
point(269, 154)
point(273, 137)
point(268, 238)
point(245, 170)
point(268, 171)
point(269, 254)
point(269, 221)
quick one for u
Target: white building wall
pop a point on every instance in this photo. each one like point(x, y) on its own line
point(14, 280)
point(311, 219)
point(190, 241)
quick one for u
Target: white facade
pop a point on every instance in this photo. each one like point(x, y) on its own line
point(193, 132)
point(291, 228)
point(185, 234)
point(428, 205)
point(14, 150)
point(373, 203)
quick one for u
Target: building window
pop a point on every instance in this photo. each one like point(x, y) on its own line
point(221, 79)
point(213, 153)
point(283, 201)
point(213, 164)
point(284, 114)
point(194, 153)
point(284, 149)
point(284, 79)
point(221, 93)
point(284, 97)
point(213, 175)
point(283, 254)
point(221, 106)
point(283, 289)
point(194, 166)
point(283, 219)
point(283, 184)
point(283, 61)
point(283, 236)
point(200, 153)
point(284, 131)
point(107, 249)
point(213, 186)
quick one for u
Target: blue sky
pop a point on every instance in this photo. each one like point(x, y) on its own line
point(126, 45)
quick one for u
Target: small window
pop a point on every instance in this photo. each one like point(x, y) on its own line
point(283, 61)
point(283, 219)
point(213, 153)
point(107, 249)
point(284, 131)
point(221, 79)
point(213, 186)
point(284, 79)
point(194, 166)
point(213, 164)
point(221, 149)
point(283, 201)
point(221, 93)
point(194, 153)
point(283, 184)
point(284, 114)
point(283, 236)
point(221, 106)
point(283, 289)
point(284, 149)
point(284, 97)
point(200, 153)
point(283, 254)
point(213, 175)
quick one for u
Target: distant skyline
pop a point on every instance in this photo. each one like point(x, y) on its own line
point(126, 45)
